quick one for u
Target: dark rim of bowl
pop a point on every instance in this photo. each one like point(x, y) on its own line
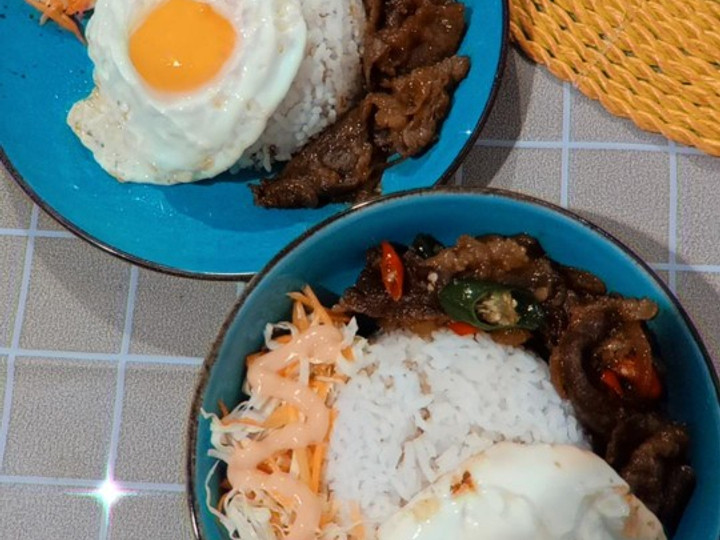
point(210, 359)
point(246, 276)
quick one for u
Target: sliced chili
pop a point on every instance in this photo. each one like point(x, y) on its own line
point(643, 378)
point(645, 383)
point(490, 306)
point(392, 271)
point(462, 328)
point(610, 379)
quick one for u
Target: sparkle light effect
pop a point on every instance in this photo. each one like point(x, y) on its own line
point(106, 494)
point(109, 493)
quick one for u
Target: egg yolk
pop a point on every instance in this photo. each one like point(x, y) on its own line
point(181, 45)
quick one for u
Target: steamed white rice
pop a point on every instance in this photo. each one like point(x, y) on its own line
point(417, 408)
point(327, 81)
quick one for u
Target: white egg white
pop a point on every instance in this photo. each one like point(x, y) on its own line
point(526, 492)
point(138, 134)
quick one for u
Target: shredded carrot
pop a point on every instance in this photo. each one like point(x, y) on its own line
point(285, 338)
point(289, 369)
point(299, 317)
point(321, 388)
point(306, 463)
point(326, 518)
point(223, 408)
point(244, 421)
point(282, 416)
point(322, 370)
point(285, 461)
point(303, 465)
point(333, 417)
point(358, 530)
point(55, 12)
point(74, 7)
point(282, 500)
point(279, 462)
point(270, 466)
point(300, 297)
point(330, 511)
point(318, 308)
point(341, 379)
point(318, 456)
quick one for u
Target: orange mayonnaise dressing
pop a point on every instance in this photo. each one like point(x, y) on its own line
point(323, 343)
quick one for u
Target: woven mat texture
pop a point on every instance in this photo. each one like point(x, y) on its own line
point(656, 62)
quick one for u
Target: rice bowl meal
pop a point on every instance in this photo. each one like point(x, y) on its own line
point(478, 390)
point(188, 89)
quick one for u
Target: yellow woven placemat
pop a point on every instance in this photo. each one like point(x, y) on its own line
point(656, 62)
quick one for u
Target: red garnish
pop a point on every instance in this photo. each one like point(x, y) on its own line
point(645, 383)
point(610, 379)
point(642, 375)
point(652, 389)
point(392, 271)
point(462, 328)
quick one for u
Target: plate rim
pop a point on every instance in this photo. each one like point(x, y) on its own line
point(126, 256)
point(210, 359)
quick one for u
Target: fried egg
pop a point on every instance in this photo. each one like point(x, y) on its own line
point(526, 492)
point(183, 87)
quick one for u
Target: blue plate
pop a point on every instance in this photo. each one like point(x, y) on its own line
point(208, 229)
point(320, 260)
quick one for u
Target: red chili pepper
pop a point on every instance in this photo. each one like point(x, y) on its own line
point(653, 390)
point(645, 381)
point(610, 379)
point(646, 384)
point(462, 328)
point(392, 271)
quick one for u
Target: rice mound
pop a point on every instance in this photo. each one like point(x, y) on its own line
point(416, 408)
point(328, 80)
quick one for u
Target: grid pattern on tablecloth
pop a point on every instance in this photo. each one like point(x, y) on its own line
point(566, 146)
point(33, 359)
point(131, 357)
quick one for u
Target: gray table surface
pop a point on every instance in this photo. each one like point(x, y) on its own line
point(98, 358)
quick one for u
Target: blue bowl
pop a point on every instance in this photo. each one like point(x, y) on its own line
point(321, 259)
point(209, 229)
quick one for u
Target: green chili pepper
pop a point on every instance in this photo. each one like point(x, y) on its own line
point(426, 245)
point(491, 306)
